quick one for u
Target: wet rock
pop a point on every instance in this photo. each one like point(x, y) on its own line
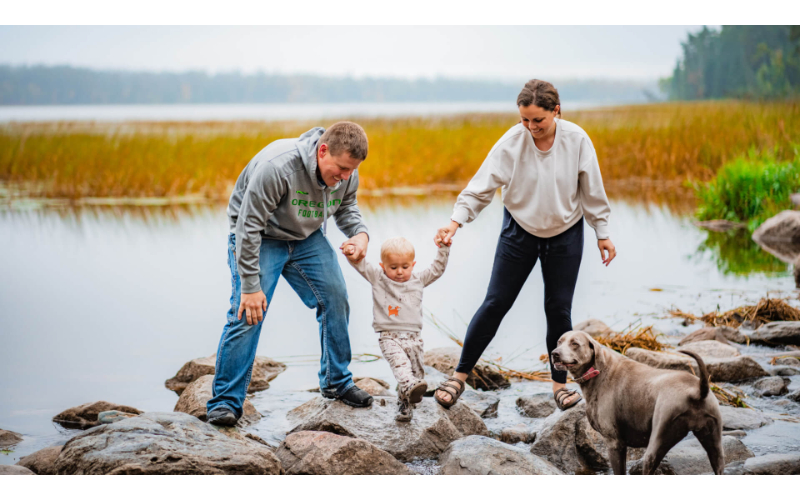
point(484, 404)
point(794, 396)
point(483, 376)
point(711, 349)
point(724, 334)
point(593, 327)
point(742, 418)
point(772, 464)
point(373, 386)
point(43, 461)
point(194, 398)
point(163, 443)
point(519, 433)
point(86, 416)
point(771, 386)
point(784, 371)
point(109, 417)
point(777, 333)
point(310, 452)
point(689, 458)
point(788, 361)
point(429, 432)
point(737, 434)
point(719, 225)
point(784, 226)
point(537, 406)
point(480, 455)
point(719, 369)
point(8, 438)
point(15, 470)
point(568, 441)
point(264, 370)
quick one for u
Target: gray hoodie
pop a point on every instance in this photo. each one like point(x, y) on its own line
point(278, 196)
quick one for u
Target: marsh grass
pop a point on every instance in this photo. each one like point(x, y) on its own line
point(765, 311)
point(646, 152)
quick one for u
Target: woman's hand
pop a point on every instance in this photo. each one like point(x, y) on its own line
point(445, 234)
point(606, 246)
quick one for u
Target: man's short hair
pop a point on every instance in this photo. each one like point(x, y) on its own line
point(397, 246)
point(346, 137)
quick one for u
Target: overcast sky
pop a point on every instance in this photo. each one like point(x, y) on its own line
point(492, 53)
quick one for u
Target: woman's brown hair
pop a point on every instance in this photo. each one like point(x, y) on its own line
point(539, 93)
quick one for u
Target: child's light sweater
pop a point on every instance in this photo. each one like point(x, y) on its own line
point(398, 306)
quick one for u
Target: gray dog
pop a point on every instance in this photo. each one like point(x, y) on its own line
point(632, 404)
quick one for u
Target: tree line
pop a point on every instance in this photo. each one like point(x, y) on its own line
point(756, 62)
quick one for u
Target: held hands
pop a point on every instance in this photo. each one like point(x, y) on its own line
point(355, 248)
point(444, 236)
point(254, 305)
point(607, 251)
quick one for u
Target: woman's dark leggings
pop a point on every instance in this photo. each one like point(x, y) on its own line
point(517, 252)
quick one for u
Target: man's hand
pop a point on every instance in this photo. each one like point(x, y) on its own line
point(255, 305)
point(444, 236)
point(606, 247)
point(355, 249)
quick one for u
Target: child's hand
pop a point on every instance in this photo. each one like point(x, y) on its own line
point(348, 250)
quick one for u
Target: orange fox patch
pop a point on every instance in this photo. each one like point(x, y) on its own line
point(393, 311)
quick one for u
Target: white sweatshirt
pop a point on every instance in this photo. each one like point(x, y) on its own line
point(397, 307)
point(545, 191)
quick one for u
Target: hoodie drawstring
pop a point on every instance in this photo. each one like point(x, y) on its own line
point(325, 212)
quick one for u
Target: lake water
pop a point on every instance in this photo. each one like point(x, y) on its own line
point(260, 112)
point(108, 303)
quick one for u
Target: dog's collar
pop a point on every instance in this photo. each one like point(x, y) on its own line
point(590, 373)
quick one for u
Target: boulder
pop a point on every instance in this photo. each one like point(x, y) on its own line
point(429, 432)
point(712, 349)
point(163, 443)
point(8, 438)
point(593, 327)
point(724, 334)
point(434, 378)
point(43, 461)
point(194, 398)
point(689, 458)
point(742, 418)
point(569, 442)
point(719, 369)
point(484, 376)
point(325, 453)
point(109, 417)
point(520, 433)
point(784, 371)
point(771, 386)
point(795, 396)
point(772, 464)
point(787, 361)
point(373, 386)
point(480, 455)
point(264, 370)
point(537, 406)
point(737, 433)
point(15, 470)
point(482, 403)
point(87, 415)
point(784, 226)
point(777, 333)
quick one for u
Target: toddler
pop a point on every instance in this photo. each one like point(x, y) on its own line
point(397, 313)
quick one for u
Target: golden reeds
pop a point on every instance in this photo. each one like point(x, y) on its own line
point(734, 397)
point(765, 311)
point(642, 337)
point(645, 152)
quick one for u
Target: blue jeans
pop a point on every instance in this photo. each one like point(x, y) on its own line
point(311, 268)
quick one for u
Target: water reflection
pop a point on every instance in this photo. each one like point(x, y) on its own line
point(735, 253)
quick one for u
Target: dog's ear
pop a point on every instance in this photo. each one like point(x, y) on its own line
point(599, 354)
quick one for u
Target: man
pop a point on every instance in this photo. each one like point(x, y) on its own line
point(279, 203)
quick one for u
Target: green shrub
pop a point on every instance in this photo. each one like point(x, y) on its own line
point(750, 189)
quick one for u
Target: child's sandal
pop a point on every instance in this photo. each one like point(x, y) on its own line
point(417, 391)
point(451, 390)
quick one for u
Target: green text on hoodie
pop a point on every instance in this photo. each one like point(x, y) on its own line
point(278, 196)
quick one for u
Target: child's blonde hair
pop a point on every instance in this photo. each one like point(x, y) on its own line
point(397, 246)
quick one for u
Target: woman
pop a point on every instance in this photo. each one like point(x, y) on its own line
point(550, 177)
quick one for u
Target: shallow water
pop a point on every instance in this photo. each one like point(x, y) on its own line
point(106, 304)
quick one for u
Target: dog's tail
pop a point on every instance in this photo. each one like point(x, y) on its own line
point(703, 373)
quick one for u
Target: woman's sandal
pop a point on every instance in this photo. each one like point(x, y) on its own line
point(562, 394)
point(451, 390)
